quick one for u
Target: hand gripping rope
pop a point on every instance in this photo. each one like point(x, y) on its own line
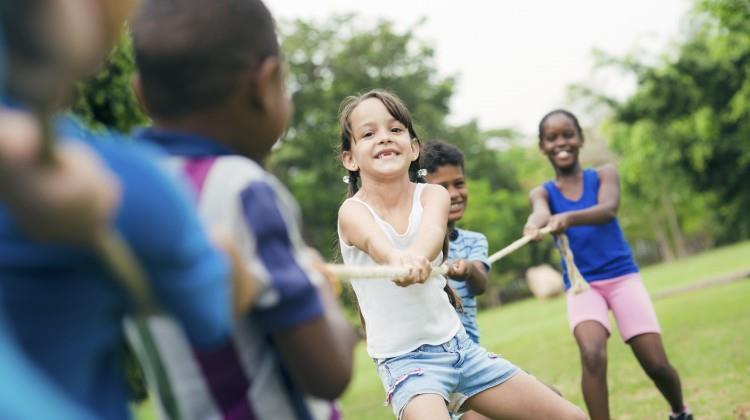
point(349, 272)
point(38, 92)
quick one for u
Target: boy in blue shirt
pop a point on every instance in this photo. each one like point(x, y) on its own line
point(467, 250)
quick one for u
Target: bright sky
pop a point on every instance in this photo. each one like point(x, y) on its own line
point(514, 58)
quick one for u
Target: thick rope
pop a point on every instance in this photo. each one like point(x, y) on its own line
point(517, 244)
point(352, 272)
point(577, 283)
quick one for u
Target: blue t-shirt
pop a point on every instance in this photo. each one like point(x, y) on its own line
point(467, 245)
point(24, 386)
point(25, 393)
point(66, 307)
point(600, 251)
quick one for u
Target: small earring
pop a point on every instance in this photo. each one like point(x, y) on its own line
point(422, 173)
point(346, 179)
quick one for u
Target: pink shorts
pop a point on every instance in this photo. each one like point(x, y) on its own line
point(627, 298)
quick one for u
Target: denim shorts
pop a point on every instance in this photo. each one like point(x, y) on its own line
point(456, 370)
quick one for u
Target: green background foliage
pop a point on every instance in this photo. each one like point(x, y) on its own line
point(680, 140)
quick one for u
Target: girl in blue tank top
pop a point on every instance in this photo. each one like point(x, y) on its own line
point(583, 203)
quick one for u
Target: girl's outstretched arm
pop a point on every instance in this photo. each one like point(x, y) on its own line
point(540, 213)
point(358, 228)
point(604, 211)
point(431, 233)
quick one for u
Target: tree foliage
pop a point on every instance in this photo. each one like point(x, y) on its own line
point(329, 61)
point(680, 140)
point(682, 136)
point(106, 100)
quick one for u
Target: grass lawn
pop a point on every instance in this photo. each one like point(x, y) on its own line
point(706, 333)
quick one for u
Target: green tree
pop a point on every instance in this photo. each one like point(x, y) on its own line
point(681, 137)
point(107, 99)
point(693, 115)
point(328, 61)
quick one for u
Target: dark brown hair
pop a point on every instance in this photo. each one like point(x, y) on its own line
point(191, 54)
point(437, 153)
point(396, 108)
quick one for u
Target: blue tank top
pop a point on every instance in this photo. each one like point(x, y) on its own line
point(600, 251)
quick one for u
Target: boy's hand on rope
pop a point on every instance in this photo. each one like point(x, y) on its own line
point(71, 201)
point(419, 267)
point(318, 264)
point(458, 269)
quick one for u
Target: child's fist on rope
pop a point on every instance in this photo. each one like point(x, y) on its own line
point(532, 230)
point(557, 223)
point(419, 267)
point(71, 201)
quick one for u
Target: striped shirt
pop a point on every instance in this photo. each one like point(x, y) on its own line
point(472, 246)
point(245, 379)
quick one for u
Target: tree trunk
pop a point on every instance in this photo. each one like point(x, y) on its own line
point(678, 239)
point(665, 248)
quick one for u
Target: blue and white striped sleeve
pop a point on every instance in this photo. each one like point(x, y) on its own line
point(477, 244)
point(298, 297)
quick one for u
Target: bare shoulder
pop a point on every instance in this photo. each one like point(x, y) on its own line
point(353, 216)
point(608, 172)
point(538, 192)
point(352, 210)
point(435, 193)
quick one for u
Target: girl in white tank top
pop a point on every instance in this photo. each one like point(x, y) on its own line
point(426, 361)
point(422, 312)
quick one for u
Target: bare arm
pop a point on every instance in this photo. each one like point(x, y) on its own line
point(319, 353)
point(434, 226)
point(359, 228)
point(540, 212)
point(604, 211)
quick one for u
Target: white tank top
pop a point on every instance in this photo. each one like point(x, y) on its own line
point(400, 319)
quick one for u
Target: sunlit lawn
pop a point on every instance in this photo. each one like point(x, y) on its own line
point(706, 333)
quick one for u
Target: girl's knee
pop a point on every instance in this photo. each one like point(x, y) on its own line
point(593, 357)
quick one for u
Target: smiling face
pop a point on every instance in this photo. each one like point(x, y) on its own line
point(381, 146)
point(452, 178)
point(561, 141)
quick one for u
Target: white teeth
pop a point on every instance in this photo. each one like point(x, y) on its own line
point(563, 154)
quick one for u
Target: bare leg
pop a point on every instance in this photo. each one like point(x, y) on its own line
point(426, 406)
point(592, 344)
point(649, 351)
point(523, 397)
point(473, 415)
